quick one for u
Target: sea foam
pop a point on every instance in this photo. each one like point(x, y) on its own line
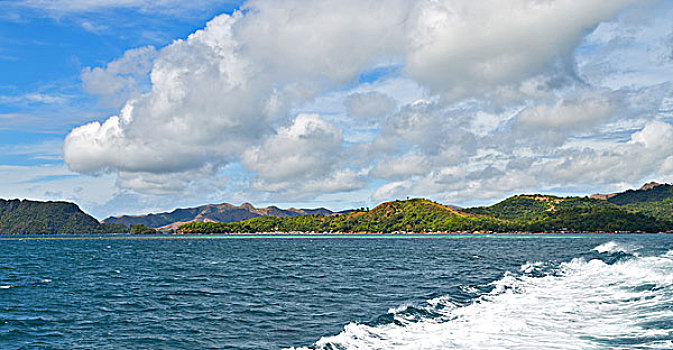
point(579, 305)
point(616, 247)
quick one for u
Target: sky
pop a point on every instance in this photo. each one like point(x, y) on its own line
point(137, 106)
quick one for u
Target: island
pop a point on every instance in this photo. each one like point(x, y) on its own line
point(647, 209)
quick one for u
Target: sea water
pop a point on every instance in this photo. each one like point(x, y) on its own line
point(326, 292)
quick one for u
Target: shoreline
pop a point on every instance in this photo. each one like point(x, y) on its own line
point(403, 233)
point(309, 235)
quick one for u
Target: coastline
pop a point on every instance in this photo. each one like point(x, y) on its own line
point(308, 235)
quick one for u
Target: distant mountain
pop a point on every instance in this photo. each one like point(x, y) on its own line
point(224, 212)
point(31, 217)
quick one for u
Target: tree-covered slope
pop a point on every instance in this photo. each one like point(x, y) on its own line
point(579, 214)
point(652, 192)
point(415, 215)
point(28, 217)
point(652, 199)
point(529, 207)
point(533, 213)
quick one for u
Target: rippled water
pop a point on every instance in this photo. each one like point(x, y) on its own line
point(525, 292)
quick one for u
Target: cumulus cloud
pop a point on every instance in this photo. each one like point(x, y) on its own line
point(502, 106)
point(645, 154)
point(565, 114)
point(546, 127)
point(222, 89)
point(390, 167)
point(398, 190)
point(120, 79)
point(307, 148)
point(465, 47)
point(370, 105)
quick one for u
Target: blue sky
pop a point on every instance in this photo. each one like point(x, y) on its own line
point(336, 103)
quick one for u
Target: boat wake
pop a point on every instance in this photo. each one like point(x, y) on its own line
point(624, 302)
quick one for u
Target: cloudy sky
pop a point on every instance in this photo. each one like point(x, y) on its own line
point(130, 106)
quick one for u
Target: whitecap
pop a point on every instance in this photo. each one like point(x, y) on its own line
point(581, 305)
point(532, 266)
point(616, 247)
point(399, 309)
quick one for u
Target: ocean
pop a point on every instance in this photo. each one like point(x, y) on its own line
point(337, 292)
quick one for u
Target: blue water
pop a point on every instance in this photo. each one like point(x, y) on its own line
point(573, 292)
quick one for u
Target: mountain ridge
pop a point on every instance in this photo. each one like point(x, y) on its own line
point(644, 210)
point(19, 216)
point(222, 212)
point(648, 209)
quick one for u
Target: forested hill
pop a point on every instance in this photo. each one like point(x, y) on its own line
point(414, 215)
point(31, 217)
point(529, 213)
point(652, 199)
point(648, 209)
point(539, 213)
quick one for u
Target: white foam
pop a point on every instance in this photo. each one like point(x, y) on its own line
point(570, 309)
point(617, 247)
point(399, 309)
point(532, 266)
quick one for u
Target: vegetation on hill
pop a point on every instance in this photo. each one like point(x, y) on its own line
point(652, 199)
point(24, 216)
point(532, 213)
point(655, 201)
point(415, 215)
point(648, 209)
point(649, 194)
point(142, 229)
point(578, 214)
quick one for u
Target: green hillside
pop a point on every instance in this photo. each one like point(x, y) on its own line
point(655, 200)
point(578, 214)
point(531, 213)
point(30, 217)
point(415, 215)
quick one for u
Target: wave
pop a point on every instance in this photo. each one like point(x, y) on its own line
point(577, 305)
point(617, 247)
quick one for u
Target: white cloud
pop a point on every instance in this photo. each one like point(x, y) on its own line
point(78, 6)
point(486, 102)
point(410, 164)
point(306, 148)
point(120, 79)
point(303, 158)
point(35, 97)
point(465, 47)
point(566, 114)
point(393, 190)
point(633, 51)
point(221, 90)
point(369, 106)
